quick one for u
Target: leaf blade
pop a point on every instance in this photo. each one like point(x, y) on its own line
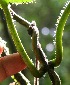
point(18, 1)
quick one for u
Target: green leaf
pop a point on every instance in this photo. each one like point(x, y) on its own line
point(0, 5)
point(18, 1)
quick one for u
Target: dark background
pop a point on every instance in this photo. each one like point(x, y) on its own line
point(45, 13)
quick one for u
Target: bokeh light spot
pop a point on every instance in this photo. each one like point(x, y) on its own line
point(50, 47)
point(45, 31)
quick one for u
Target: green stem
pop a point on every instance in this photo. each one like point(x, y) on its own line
point(54, 77)
point(17, 40)
point(59, 34)
point(20, 79)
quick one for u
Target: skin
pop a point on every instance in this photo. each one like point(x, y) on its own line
point(10, 65)
point(1, 48)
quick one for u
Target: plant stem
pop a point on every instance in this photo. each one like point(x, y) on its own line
point(36, 80)
point(54, 77)
point(17, 40)
point(59, 33)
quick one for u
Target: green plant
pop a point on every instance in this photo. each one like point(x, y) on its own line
point(46, 66)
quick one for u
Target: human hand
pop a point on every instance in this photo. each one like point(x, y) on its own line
point(11, 64)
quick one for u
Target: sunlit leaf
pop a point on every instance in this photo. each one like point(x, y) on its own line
point(18, 1)
point(0, 6)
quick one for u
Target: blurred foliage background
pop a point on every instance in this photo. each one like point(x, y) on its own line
point(45, 13)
